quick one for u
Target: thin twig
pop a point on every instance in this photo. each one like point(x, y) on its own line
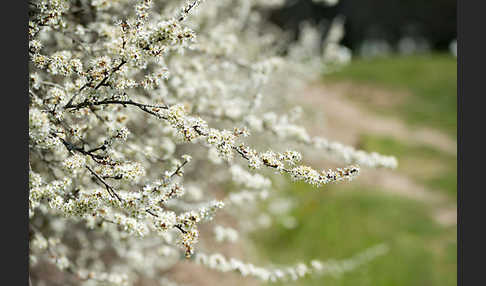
point(115, 69)
point(110, 190)
point(144, 107)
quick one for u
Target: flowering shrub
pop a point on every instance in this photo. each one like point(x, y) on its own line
point(141, 113)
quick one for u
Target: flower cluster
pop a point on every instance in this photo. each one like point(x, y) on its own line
point(313, 177)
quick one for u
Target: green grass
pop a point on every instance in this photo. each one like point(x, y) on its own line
point(435, 169)
point(430, 79)
point(336, 224)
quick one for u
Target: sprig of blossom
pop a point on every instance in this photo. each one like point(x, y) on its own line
point(290, 273)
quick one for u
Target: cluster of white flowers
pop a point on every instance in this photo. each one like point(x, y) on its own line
point(140, 114)
point(40, 130)
point(74, 162)
point(313, 177)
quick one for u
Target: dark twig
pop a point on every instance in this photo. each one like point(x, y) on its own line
point(97, 158)
point(180, 228)
point(144, 107)
point(102, 82)
point(187, 10)
point(109, 189)
point(179, 169)
point(115, 69)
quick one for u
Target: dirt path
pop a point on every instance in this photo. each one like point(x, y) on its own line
point(346, 121)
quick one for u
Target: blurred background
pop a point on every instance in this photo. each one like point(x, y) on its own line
point(397, 96)
point(431, 25)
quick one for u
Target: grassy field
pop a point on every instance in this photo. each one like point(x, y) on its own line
point(336, 224)
point(341, 220)
point(431, 81)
